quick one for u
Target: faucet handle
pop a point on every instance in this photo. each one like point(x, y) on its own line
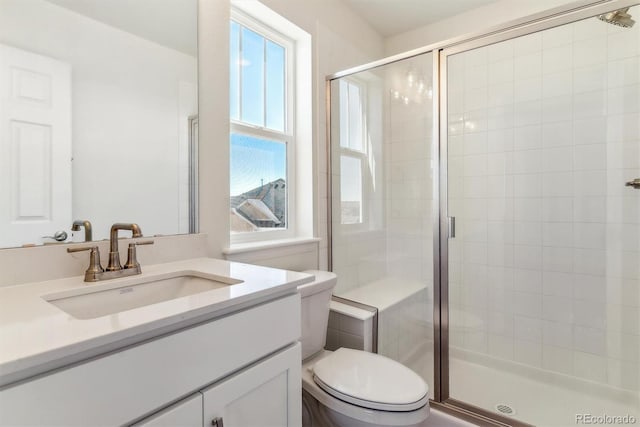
point(81, 249)
point(95, 268)
point(142, 242)
point(132, 261)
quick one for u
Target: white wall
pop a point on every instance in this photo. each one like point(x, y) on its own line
point(125, 113)
point(472, 21)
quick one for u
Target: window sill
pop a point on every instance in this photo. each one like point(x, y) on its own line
point(241, 248)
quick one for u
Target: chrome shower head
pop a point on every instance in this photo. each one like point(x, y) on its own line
point(618, 17)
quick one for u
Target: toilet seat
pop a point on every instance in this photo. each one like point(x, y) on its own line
point(370, 381)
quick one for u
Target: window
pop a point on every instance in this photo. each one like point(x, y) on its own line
point(353, 154)
point(262, 138)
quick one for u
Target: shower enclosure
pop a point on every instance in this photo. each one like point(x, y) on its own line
point(483, 201)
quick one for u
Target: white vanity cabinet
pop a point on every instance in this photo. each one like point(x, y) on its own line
point(243, 367)
point(266, 394)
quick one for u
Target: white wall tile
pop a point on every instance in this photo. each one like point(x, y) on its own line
point(592, 130)
point(557, 36)
point(500, 140)
point(528, 185)
point(590, 366)
point(557, 359)
point(588, 29)
point(557, 334)
point(527, 306)
point(623, 127)
point(557, 309)
point(623, 72)
point(528, 89)
point(623, 100)
point(528, 113)
point(589, 52)
point(590, 79)
point(501, 347)
point(623, 44)
point(558, 234)
point(557, 184)
point(500, 51)
point(501, 94)
point(475, 77)
point(558, 259)
point(589, 104)
point(528, 44)
point(590, 209)
point(555, 59)
point(527, 281)
point(557, 84)
point(528, 209)
point(557, 209)
point(557, 283)
point(528, 353)
point(557, 109)
point(501, 72)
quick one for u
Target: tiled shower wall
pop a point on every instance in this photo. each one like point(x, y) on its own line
point(544, 131)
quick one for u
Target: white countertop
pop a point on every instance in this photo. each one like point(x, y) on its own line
point(36, 336)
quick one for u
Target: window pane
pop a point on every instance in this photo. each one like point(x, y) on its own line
point(252, 77)
point(275, 86)
point(344, 114)
point(351, 189)
point(234, 89)
point(355, 116)
point(258, 184)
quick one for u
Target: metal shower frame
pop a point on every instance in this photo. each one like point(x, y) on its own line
point(538, 22)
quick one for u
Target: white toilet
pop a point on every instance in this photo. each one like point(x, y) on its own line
point(352, 388)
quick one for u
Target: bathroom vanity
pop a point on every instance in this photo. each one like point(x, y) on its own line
point(224, 355)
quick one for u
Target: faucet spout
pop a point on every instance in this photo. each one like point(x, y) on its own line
point(88, 230)
point(114, 255)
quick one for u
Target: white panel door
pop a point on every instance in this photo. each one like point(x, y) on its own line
point(35, 146)
point(267, 394)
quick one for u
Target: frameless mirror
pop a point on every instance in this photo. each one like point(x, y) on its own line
point(98, 118)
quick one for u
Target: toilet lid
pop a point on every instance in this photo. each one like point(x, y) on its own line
point(371, 381)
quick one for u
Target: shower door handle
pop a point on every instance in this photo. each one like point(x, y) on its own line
point(452, 227)
point(634, 183)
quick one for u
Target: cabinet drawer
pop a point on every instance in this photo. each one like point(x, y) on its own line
point(124, 386)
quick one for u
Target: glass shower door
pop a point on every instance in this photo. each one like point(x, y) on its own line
point(543, 132)
point(382, 203)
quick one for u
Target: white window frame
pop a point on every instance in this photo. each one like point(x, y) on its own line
point(288, 137)
point(361, 155)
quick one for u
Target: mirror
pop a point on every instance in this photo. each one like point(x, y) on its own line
point(98, 117)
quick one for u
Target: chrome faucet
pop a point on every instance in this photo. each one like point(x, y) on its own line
point(114, 253)
point(95, 272)
point(88, 230)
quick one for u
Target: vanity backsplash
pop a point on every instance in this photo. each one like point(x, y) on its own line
point(49, 262)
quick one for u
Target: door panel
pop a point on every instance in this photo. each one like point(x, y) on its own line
point(35, 146)
point(266, 394)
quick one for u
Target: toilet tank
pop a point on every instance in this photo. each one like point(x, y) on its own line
point(315, 297)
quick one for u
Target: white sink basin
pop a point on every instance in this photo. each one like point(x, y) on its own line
point(110, 298)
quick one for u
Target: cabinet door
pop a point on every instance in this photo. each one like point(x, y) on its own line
point(265, 394)
point(186, 413)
